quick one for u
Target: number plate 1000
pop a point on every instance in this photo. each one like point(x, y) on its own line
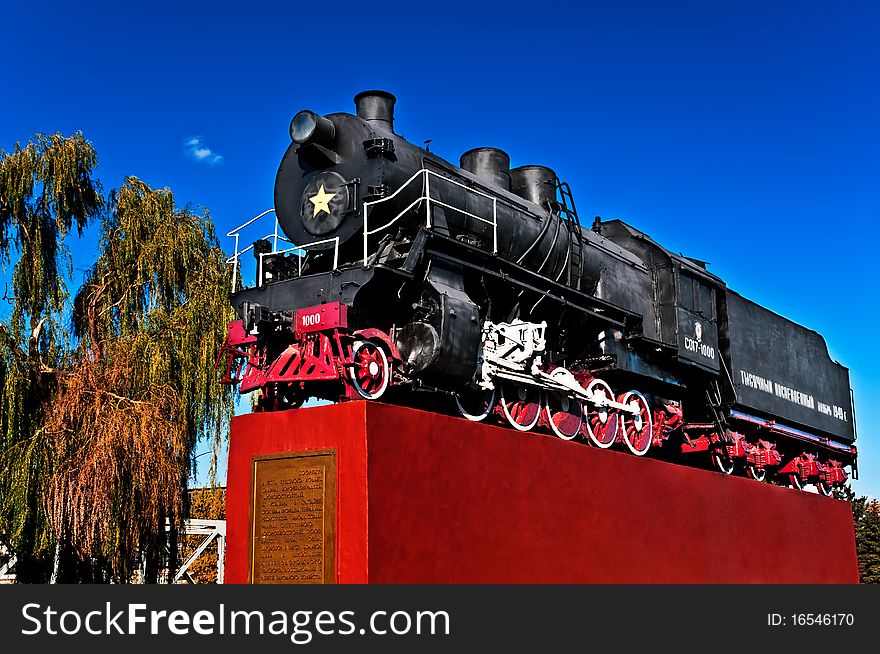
point(324, 316)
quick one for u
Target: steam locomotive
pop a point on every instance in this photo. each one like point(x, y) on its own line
point(475, 288)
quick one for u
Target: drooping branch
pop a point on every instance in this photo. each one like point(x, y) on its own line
point(46, 189)
point(151, 317)
point(11, 345)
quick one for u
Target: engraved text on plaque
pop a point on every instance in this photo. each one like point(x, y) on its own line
point(293, 518)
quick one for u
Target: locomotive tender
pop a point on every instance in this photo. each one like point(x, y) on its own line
point(397, 273)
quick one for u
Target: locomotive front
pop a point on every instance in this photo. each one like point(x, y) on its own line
point(334, 165)
point(348, 181)
point(352, 196)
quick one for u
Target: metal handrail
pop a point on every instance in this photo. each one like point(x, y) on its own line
point(422, 174)
point(275, 236)
point(235, 233)
point(251, 246)
point(426, 197)
point(299, 250)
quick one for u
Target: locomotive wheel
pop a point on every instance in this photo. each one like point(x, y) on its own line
point(474, 403)
point(721, 462)
point(565, 415)
point(371, 372)
point(521, 405)
point(290, 397)
point(601, 422)
point(636, 429)
point(758, 474)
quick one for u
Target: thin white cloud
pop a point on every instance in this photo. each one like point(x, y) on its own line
point(196, 148)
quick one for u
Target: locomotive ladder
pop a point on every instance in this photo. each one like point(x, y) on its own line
point(713, 396)
point(568, 212)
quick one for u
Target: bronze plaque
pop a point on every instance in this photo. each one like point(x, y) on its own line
point(293, 518)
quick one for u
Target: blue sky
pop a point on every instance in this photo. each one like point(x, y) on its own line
point(743, 133)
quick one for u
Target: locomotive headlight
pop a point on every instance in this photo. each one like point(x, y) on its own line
point(309, 127)
point(303, 126)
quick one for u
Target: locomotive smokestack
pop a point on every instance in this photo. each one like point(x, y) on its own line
point(377, 108)
point(490, 164)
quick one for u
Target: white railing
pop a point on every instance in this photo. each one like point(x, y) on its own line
point(275, 237)
point(300, 253)
point(425, 197)
point(212, 530)
point(423, 175)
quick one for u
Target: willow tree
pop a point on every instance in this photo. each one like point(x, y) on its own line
point(46, 189)
point(142, 389)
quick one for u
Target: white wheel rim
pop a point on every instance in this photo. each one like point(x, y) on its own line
point(718, 460)
point(601, 412)
point(475, 417)
point(375, 395)
point(554, 428)
point(637, 400)
point(513, 423)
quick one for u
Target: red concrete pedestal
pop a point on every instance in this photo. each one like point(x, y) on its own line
point(424, 498)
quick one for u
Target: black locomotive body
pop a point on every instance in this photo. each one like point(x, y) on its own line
point(399, 273)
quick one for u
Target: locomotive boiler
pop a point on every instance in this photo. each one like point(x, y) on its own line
point(475, 288)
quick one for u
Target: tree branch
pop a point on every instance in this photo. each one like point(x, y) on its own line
point(12, 344)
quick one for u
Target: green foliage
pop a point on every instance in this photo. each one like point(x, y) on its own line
point(97, 441)
point(151, 318)
point(161, 282)
point(867, 519)
point(46, 188)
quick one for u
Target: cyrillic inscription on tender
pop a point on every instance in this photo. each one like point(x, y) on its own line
point(292, 518)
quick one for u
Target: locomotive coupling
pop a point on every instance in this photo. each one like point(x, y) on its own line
point(259, 320)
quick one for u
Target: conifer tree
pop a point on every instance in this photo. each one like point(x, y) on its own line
point(867, 514)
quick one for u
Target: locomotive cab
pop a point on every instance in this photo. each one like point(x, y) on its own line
point(696, 317)
point(685, 297)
